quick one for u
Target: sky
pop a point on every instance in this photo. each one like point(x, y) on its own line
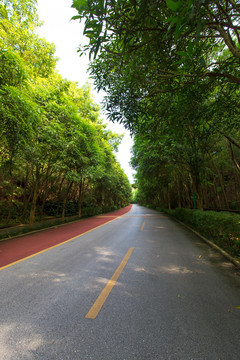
point(66, 34)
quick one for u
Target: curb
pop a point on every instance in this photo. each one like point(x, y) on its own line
point(223, 252)
point(38, 230)
point(52, 227)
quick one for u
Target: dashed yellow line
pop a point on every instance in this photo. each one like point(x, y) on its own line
point(143, 224)
point(93, 312)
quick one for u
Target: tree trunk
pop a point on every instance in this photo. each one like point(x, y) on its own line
point(45, 188)
point(43, 204)
point(187, 198)
point(199, 199)
point(168, 199)
point(233, 158)
point(65, 200)
point(26, 203)
point(26, 198)
point(10, 202)
point(221, 184)
point(236, 182)
point(58, 195)
point(80, 197)
point(218, 201)
point(196, 186)
point(179, 194)
point(34, 202)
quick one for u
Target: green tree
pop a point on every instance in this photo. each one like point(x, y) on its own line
point(54, 146)
point(170, 71)
point(18, 24)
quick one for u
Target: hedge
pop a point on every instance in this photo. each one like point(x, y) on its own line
point(24, 228)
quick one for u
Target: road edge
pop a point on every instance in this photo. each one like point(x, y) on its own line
point(62, 242)
point(56, 226)
point(209, 242)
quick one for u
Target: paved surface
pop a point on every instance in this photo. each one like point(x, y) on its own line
point(173, 297)
point(24, 246)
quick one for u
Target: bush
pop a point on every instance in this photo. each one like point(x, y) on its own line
point(54, 208)
point(87, 211)
point(223, 228)
point(107, 209)
point(16, 210)
point(91, 211)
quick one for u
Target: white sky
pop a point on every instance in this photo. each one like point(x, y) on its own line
point(67, 36)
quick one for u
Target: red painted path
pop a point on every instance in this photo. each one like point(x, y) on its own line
point(13, 250)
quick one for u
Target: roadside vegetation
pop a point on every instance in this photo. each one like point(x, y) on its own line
point(170, 70)
point(56, 156)
point(222, 228)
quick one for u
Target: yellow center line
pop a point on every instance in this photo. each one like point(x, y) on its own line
point(93, 312)
point(143, 224)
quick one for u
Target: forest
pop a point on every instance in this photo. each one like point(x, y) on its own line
point(171, 73)
point(56, 156)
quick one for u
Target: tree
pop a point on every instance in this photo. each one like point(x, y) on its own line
point(18, 24)
point(185, 29)
point(145, 49)
point(54, 146)
point(170, 71)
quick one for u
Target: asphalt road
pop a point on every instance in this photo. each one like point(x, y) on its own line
point(154, 291)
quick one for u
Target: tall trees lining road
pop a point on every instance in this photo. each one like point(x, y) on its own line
point(171, 72)
point(53, 145)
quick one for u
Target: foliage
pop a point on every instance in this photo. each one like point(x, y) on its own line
point(18, 23)
point(188, 31)
point(54, 221)
point(170, 70)
point(53, 146)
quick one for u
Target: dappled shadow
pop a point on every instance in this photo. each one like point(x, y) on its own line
point(51, 323)
point(175, 269)
point(45, 316)
point(30, 341)
point(47, 307)
point(50, 275)
point(158, 228)
point(170, 269)
point(104, 254)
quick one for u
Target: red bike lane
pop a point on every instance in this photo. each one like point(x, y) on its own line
point(16, 249)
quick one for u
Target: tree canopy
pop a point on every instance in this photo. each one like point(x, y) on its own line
point(170, 70)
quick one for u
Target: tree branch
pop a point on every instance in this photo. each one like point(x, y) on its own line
point(233, 158)
point(230, 77)
point(228, 41)
point(232, 141)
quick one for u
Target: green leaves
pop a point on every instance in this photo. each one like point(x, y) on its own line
point(13, 70)
point(170, 71)
point(173, 5)
point(52, 141)
point(80, 5)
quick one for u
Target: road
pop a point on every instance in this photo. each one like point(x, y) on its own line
point(141, 287)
